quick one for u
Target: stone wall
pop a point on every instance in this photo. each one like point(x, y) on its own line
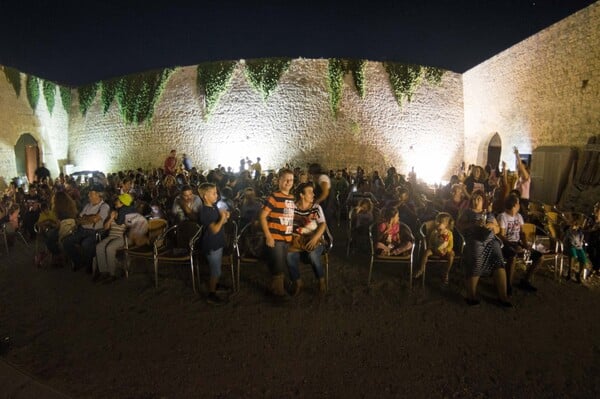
point(294, 124)
point(51, 131)
point(544, 90)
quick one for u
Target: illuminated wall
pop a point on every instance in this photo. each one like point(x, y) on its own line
point(17, 118)
point(544, 90)
point(295, 124)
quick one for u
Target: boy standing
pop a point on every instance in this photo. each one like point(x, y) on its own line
point(277, 223)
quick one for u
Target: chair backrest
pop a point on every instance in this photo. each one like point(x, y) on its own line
point(186, 233)
point(424, 230)
point(552, 217)
point(529, 230)
point(405, 234)
point(536, 206)
point(567, 219)
point(230, 230)
point(540, 239)
point(250, 242)
point(155, 228)
point(328, 237)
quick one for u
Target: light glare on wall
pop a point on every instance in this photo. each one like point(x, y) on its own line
point(93, 161)
point(230, 154)
point(430, 163)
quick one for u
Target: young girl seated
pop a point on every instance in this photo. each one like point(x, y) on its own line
point(574, 240)
point(11, 222)
point(46, 222)
point(440, 242)
point(394, 239)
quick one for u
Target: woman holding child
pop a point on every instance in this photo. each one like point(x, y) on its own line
point(482, 255)
point(309, 230)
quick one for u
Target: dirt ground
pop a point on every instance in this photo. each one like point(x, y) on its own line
point(130, 340)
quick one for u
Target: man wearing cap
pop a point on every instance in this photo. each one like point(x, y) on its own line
point(90, 221)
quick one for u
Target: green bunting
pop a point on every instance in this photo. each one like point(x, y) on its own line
point(33, 91)
point(14, 77)
point(213, 79)
point(264, 74)
point(49, 89)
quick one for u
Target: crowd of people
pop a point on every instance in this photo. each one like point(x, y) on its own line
point(85, 221)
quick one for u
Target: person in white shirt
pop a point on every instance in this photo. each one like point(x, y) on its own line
point(510, 222)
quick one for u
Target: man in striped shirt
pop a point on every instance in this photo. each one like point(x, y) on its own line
point(277, 222)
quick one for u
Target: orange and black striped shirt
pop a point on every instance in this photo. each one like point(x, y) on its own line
point(280, 219)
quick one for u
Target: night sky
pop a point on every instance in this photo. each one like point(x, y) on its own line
point(80, 42)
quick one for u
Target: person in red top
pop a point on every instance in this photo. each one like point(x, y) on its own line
point(171, 163)
point(277, 222)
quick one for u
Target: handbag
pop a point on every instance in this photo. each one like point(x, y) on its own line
point(66, 228)
point(300, 241)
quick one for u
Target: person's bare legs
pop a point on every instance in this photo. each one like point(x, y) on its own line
point(471, 285)
point(450, 259)
point(500, 279)
point(212, 284)
point(509, 274)
point(424, 259)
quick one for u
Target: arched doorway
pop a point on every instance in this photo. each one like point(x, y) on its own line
point(27, 156)
point(494, 151)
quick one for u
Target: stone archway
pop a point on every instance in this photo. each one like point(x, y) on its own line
point(27, 156)
point(494, 151)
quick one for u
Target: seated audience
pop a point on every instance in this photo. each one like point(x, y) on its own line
point(510, 222)
point(440, 242)
point(186, 206)
point(574, 241)
point(482, 254)
point(458, 201)
point(393, 238)
point(121, 218)
point(307, 241)
point(80, 245)
point(593, 239)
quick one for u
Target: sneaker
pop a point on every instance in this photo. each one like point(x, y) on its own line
point(526, 286)
point(109, 279)
point(297, 287)
point(213, 299)
point(222, 288)
point(445, 280)
point(505, 304)
point(472, 302)
point(97, 276)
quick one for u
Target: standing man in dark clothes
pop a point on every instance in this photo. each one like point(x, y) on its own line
point(42, 173)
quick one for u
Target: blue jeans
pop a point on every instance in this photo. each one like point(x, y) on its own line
point(213, 258)
point(86, 240)
point(276, 257)
point(313, 257)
